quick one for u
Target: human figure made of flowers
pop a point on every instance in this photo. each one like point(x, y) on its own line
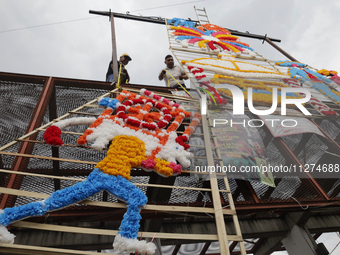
point(138, 141)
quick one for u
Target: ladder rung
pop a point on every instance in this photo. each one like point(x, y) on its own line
point(202, 15)
point(200, 10)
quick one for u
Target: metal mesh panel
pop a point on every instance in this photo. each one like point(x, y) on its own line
point(17, 104)
point(183, 195)
point(331, 127)
point(35, 184)
point(313, 151)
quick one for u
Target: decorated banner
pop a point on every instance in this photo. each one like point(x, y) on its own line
point(242, 150)
point(288, 125)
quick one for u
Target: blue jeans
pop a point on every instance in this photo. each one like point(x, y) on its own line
point(110, 78)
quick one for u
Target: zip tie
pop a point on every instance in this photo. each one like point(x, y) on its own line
point(153, 237)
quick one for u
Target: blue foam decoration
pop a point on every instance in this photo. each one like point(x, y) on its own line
point(104, 102)
point(239, 45)
point(288, 63)
point(181, 22)
point(113, 103)
point(319, 76)
point(184, 37)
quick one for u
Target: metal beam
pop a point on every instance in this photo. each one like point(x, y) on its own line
point(205, 248)
point(114, 49)
point(161, 21)
point(270, 41)
point(52, 107)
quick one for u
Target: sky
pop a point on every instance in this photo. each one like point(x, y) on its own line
point(78, 44)
point(61, 39)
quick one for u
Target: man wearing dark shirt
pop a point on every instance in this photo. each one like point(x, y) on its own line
point(122, 72)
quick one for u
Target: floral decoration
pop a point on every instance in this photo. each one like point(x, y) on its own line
point(288, 63)
point(139, 140)
point(208, 36)
point(316, 103)
point(262, 93)
point(318, 81)
point(236, 68)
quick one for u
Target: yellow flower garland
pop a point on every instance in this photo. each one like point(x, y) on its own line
point(186, 29)
point(162, 167)
point(234, 62)
point(244, 84)
point(124, 153)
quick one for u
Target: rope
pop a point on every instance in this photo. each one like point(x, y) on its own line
point(177, 82)
point(120, 70)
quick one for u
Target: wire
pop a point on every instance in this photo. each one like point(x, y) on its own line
point(170, 5)
point(44, 25)
point(69, 21)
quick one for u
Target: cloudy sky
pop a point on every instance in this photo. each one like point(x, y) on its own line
point(78, 44)
point(61, 39)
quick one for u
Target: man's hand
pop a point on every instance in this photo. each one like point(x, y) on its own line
point(161, 75)
point(181, 77)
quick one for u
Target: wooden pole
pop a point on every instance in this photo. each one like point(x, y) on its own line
point(114, 48)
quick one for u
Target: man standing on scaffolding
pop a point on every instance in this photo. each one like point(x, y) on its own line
point(123, 74)
point(172, 75)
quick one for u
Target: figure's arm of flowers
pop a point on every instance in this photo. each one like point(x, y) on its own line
point(162, 167)
point(181, 140)
point(53, 133)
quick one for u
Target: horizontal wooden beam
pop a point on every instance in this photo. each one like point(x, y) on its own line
point(166, 208)
point(48, 158)
point(93, 231)
point(34, 250)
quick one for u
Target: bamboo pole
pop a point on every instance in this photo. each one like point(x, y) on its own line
point(38, 250)
point(220, 224)
point(80, 180)
point(164, 208)
point(231, 202)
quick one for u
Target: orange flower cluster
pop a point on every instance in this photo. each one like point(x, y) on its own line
point(124, 153)
point(193, 125)
point(162, 167)
point(188, 30)
point(213, 27)
point(326, 72)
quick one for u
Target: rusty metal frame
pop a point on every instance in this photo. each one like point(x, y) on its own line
point(20, 163)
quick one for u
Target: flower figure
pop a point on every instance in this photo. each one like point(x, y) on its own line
point(208, 36)
point(139, 139)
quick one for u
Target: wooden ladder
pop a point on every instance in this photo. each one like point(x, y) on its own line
point(202, 13)
point(219, 216)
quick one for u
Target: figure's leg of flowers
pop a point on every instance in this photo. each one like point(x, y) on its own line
point(59, 199)
point(126, 240)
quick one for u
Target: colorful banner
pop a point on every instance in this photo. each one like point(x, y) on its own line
point(242, 150)
point(286, 125)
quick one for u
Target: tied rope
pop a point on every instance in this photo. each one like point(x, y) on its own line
point(120, 70)
point(177, 83)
